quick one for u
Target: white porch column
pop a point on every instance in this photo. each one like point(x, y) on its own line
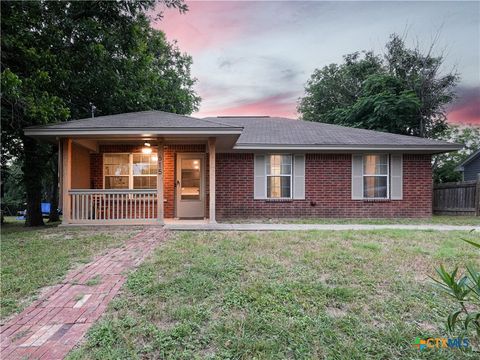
point(60, 174)
point(66, 179)
point(160, 203)
point(211, 178)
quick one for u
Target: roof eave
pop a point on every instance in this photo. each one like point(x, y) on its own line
point(43, 132)
point(432, 148)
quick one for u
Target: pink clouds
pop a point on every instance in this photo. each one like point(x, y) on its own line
point(467, 108)
point(205, 25)
point(282, 105)
point(248, 55)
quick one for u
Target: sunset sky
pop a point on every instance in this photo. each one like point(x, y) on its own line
point(254, 57)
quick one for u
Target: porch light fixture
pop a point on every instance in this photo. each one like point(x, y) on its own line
point(147, 149)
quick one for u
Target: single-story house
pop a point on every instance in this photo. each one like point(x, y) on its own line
point(470, 167)
point(114, 169)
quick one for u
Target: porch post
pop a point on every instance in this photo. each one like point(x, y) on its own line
point(66, 179)
point(211, 178)
point(60, 174)
point(160, 152)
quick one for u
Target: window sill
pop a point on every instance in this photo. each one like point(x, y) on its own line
point(376, 200)
point(289, 200)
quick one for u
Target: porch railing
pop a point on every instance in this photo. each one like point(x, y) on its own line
point(105, 206)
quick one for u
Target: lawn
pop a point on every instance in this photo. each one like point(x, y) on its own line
point(436, 219)
point(275, 295)
point(32, 258)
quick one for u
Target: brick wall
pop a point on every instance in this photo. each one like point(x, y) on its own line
point(327, 186)
point(327, 190)
point(96, 169)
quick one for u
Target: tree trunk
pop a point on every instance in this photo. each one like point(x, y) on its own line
point(53, 216)
point(33, 169)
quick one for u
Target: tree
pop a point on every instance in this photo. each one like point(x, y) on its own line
point(404, 91)
point(57, 57)
point(444, 165)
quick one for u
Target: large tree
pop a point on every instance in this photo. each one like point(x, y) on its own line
point(444, 165)
point(404, 91)
point(58, 57)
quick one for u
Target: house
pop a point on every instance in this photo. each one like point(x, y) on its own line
point(470, 167)
point(114, 169)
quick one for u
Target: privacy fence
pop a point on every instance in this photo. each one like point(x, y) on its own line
point(461, 198)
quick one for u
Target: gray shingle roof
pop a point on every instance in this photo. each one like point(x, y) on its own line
point(255, 132)
point(136, 120)
point(282, 131)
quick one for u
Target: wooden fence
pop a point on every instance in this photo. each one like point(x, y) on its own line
point(461, 198)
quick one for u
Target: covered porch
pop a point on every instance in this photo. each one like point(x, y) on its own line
point(137, 168)
point(121, 182)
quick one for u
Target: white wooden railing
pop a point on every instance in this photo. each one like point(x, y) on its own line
point(113, 206)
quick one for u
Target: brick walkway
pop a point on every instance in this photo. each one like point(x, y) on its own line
point(53, 324)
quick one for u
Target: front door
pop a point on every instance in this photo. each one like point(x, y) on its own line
point(190, 185)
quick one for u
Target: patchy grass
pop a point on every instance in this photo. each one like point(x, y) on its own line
point(275, 295)
point(436, 219)
point(32, 258)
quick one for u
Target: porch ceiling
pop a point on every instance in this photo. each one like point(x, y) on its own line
point(224, 142)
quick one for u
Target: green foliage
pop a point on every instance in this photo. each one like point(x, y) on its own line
point(402, 92)
point(14, 196)
point(465, 289)
point(444, 165)
point(58, 57)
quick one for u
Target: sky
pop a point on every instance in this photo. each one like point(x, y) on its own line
point(255, 57)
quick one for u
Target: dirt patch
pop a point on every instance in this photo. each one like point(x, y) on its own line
point(335, 312)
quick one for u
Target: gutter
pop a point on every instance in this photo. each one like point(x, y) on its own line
point(138, 131)
point(442, 147)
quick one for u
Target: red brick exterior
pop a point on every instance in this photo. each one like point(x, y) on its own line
point(327, 186)
point(327, 190)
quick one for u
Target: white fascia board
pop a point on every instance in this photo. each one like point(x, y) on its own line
point(451, 147)
point(70, 132)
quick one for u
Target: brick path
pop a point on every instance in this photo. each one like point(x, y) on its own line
point(53, 324)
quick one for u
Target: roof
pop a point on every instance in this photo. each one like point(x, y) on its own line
point(134, 122)
point(255, 132)
point(275, 132)
point(469, 159)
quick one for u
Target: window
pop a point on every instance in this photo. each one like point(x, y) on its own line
point(190, 173)
point(144, 171)
point(375, 176)
point(130, 171)
point(116, 171)
point(279, 176)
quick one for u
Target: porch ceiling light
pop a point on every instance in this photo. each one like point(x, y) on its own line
point(147, 149)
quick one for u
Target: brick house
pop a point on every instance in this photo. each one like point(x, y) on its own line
point(113, 169)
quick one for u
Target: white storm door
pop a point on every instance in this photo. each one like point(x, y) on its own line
point(190, 185)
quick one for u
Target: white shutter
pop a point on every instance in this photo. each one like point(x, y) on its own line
point(259, 177)
point(357, 176)
point(396, 177)
point(299, 176)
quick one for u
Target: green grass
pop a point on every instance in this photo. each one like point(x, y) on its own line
point(436, 219)
point(275, 295)
point(32, 258)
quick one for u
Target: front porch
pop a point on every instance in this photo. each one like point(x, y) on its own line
point(119, 182)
